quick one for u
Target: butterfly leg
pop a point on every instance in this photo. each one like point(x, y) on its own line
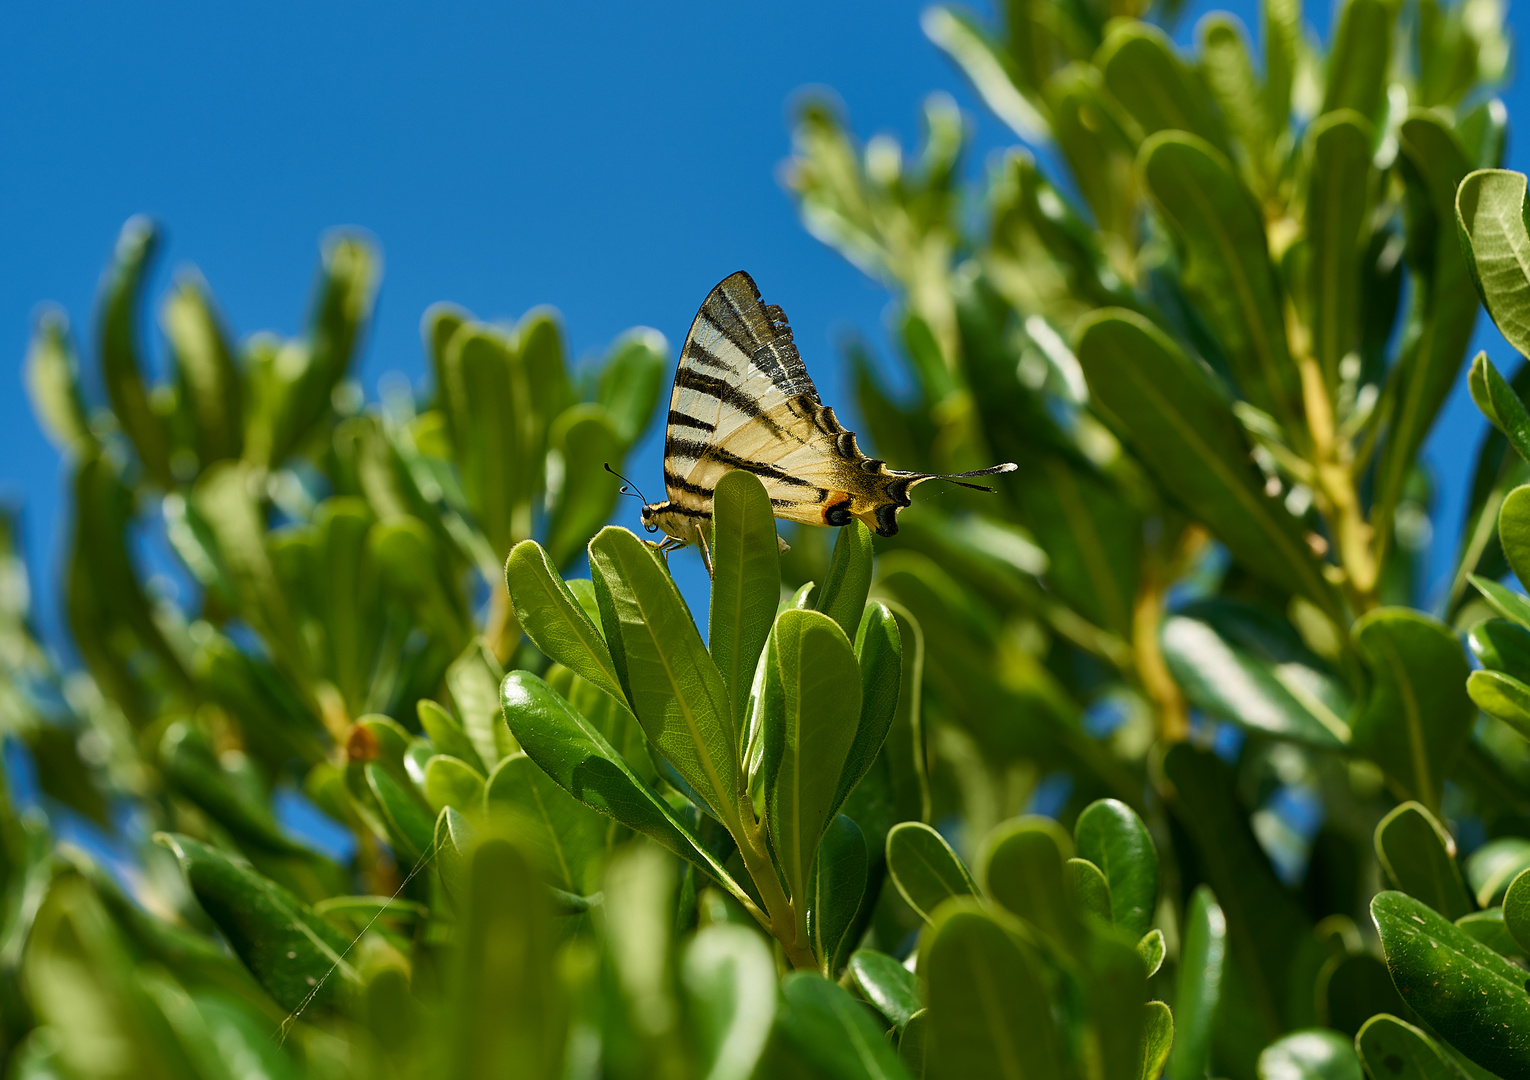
point(706, 550)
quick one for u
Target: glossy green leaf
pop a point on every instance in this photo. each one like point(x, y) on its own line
point(676, 691)
point(1514, 531)
point(821, 704)
point(1152, 950)
point(53, 383)
point(632, 380)
point(507, 1015)
point(1137, 54)
point(1516, 908)
point(924, 868)
point(1490, 928)
point(1468, 994)
point(571, 750)
point(290, 951)
point(447, 735)
point(1157, 1040)
point(1227, 271)
point(892, 989)
point(555, 621)
point(582, 439)
point(1511, 605)
point(566, 839)
point(879, 654)
point(1357, 63)
point(835, 889)
point(122, 367)
point(1310, 1055)
point(1501, 645)
point(1202, 958)
point(1501, 696)
point(473, 680)
point(729, 979)
point(1490, 211)
point(1166, 406)
point(822, 1030)
point(1089, 889)
point(1394, 1049)
point(1418, 714)
point(1340, 188)
point(1024, 868)
point(204, 366)
point(1419, 858)
point(990, 1009)
point(450, 781)
point(1111, 836)
point(746, 583)
point(1492, 866)
point(1500, 404)
point(842, 596)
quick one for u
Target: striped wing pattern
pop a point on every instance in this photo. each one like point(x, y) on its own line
point(743, 399)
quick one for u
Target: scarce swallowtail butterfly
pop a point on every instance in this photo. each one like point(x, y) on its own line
point(743, 399)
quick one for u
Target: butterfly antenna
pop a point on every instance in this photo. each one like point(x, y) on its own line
point(628, 487)
point(995, 470)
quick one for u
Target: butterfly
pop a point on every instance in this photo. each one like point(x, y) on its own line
point(742, 399)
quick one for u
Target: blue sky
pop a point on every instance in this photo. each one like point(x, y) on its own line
point(614, 161)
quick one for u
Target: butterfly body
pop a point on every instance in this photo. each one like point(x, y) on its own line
point(743, 399)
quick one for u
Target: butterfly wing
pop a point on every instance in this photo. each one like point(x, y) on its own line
point(742, 399)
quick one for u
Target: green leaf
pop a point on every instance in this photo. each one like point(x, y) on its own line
point(1491, 214)
point(1351, 989)
point(574, 752)
point(204, 365)
point(410, 829)
point(447, 735)
point(1511, 605)
point(892, 989)
point(835, 889)
point(1310, 1055)
point(990, 1008)
point(1514, 531)
point(1419, 858)
point(53, 382)
point(555, 620)
point(291, 952)
point(454, 840)
point(409, 561)
point(821, 704)
point(450, 781)
point(1397, 1050)
point(1444, 307)
point(632, 380)
point(1136, 55)
point(822, 1031)
point(879, 654)
point(1340, 189)
point(1492, 866)
point(1167, 407)
point(568, 840)
point(904, 748)
point(1227, 271)
point(729, 979)
point(1152, 950)
point(1501, 696)
point(1357, 63)
point(121, 363)
point(675, 689)
point(1516, 908)
point(1501, 645)
point(1089, 889)
point(1418, 715)
point(1023, 863)
point(507, 1014)
point(1466, 992)
point(959, 37)
point(1111, 836)
point(473, 681)
point(913, 1044)
point(924, 868)
point(483, 394)
point(1157, 1039)
point(1201, 961)
point(1500, 404)
point(842, 597)
point(1490, 928)
point(582, 439)
point(1228, 72)
point(746, 583)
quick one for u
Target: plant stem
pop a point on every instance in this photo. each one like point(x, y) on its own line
point(1334, 488)
point(782, 914)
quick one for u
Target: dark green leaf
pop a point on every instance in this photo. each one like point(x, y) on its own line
point(924, 868)
point(842, 597)
point(1514, 531)
point(1393, 1049)
point(1340, 188)
point(879, 654)
point(746, 582)
point(835, 889)
point(1419, 858)
point(1490, 928)
point(1200, 985)
point(1468, 993)
point(1501, 646)
point(1023, 863)
point(1418, 714)
point(892, 988)
point(1111, 836)
point(1516, 908)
